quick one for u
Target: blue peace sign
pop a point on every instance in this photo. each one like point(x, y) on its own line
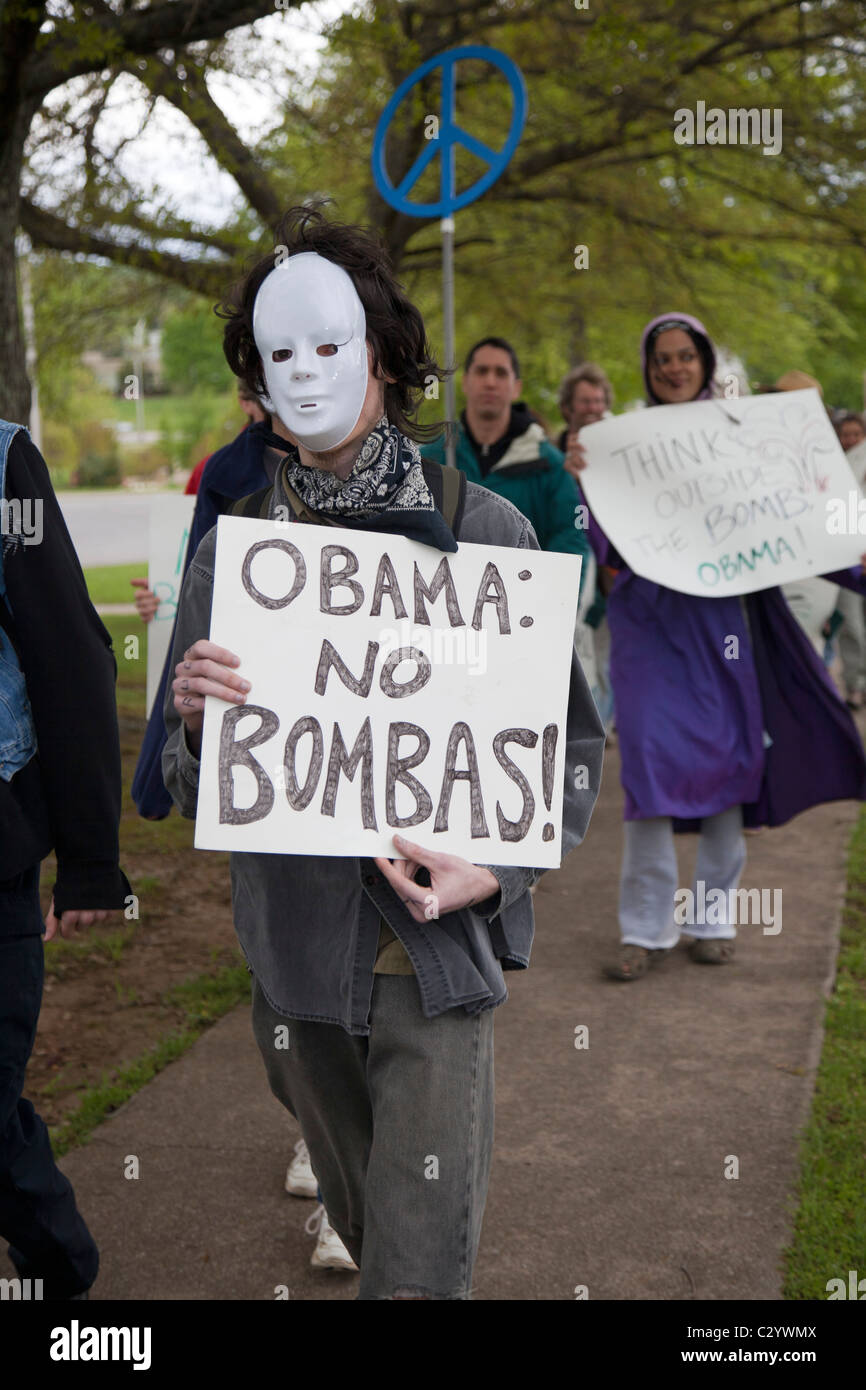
point(450, 135)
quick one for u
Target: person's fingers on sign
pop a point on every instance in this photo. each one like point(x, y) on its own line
point(454, 882)
point(146, 601)
point(206, 669)
point(575, 456)
point(71, 922)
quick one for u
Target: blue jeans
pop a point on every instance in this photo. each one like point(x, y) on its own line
point(399, 1126)
point(38, 1216)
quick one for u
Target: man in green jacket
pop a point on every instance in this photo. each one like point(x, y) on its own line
point(502, 447)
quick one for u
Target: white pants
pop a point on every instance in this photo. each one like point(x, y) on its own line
point(649, 877)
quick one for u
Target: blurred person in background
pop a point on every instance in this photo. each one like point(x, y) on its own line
point(709, 744)
point(851, 431)
point(502, 445)
point(585, 395)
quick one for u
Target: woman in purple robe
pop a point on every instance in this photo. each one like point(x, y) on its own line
point(709, 743)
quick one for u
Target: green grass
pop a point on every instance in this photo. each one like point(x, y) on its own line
point(59, 953)
point(830, 1226)
point(110, 583)
point(139, 836)
point(204, 999)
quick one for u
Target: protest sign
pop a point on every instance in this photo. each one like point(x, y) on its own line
point(857, 462)
point(393, 688)
point(722, 497)
point(170, 519)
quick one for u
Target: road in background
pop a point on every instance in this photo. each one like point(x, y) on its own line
point(108, 528)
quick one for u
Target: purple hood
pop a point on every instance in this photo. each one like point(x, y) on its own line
point(708, 352)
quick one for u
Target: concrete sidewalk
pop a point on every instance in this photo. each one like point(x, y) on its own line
point(609, 1167)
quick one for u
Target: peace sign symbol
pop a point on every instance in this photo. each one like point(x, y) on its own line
point(450, 135)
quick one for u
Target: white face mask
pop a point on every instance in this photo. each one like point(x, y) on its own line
point(307, 313)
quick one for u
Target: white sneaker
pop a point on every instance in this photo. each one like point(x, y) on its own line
point(300, 1178)
point(330, 1252)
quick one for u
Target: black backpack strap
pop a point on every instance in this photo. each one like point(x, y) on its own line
point(256, 504)
point(448, 486)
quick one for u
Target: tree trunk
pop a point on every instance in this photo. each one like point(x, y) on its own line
point(14, 385)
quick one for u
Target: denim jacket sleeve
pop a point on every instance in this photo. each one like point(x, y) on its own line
point(180, 767)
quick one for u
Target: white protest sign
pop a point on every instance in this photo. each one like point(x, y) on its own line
point(857, 462)
point(723, 497)
point(170, 519)
point(393, 688)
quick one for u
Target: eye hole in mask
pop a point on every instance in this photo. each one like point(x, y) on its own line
point(325, 350)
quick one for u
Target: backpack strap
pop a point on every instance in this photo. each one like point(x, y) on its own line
point(256, 504)
point(448, 486)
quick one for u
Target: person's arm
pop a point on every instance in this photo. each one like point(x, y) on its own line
point(70, 672)
point(146, 601)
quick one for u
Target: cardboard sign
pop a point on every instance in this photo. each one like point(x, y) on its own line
point(393, 688)
point(722, 497)
point(170, 519)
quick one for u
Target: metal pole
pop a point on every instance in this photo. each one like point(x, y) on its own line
point(27, 316)
point(138, 341)
point(448, 335)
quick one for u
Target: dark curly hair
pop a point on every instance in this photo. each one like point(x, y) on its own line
point(395, 329)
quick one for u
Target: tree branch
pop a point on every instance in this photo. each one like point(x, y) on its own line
point(189, 93)
point(77, 46)
point(44, 229)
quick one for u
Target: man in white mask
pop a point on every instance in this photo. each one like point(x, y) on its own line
point(390, 1014)
point(311, 332)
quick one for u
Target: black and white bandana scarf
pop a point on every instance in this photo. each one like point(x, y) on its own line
point(385, 491)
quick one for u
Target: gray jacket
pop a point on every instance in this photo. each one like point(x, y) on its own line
point(309, 925)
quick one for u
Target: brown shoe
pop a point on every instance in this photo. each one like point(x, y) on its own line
point(633, 962)
point(715, 950)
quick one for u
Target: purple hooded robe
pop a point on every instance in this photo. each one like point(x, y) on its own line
point(700, 733)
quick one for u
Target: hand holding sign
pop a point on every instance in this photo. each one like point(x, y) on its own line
point(206, 669)
point(366, 720)
point(454, 882)
point(575, 456)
